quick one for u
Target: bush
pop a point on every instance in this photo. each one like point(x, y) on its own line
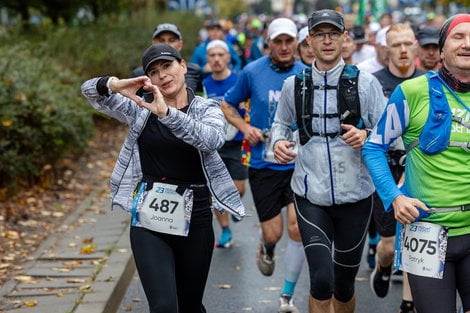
point(42, 114)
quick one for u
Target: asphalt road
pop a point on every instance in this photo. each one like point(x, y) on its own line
point(235, 285)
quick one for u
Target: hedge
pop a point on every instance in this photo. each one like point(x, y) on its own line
point(42, 113)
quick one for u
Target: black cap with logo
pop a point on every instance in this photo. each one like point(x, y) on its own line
point(326, 17)
point(159, 52)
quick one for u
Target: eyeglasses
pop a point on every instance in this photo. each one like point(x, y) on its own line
point(333, 35)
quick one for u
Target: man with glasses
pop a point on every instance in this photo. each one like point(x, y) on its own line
point(333, 189)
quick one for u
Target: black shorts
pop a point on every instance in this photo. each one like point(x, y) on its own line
point(384, 221)
point(271, 191)
point(231, 154)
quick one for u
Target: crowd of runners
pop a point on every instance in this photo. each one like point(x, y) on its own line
point(360, 132)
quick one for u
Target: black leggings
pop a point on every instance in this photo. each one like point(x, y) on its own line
point(346, 225)
point(174, 269)
point(438, 295)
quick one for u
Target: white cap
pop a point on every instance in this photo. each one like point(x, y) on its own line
point(217, 44)
point(381, 37)
point(374, 27)
point(303, 33)
point(281, 26)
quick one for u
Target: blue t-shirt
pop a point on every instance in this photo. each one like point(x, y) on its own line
point(262, 84)
point(215, 89)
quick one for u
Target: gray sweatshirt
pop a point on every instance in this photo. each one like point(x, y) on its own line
point(202, 127)
point(327, 170)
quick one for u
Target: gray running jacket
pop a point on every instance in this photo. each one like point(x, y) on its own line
point(202, 127)
point(327, 170)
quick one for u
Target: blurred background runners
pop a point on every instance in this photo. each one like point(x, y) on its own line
point(215, 86)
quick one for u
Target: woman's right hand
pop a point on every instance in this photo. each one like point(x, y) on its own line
point(128, 87)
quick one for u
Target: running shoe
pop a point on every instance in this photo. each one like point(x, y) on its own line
point(234, 219)
point(287, 304)
point(225, 240)
point(265, 260)
point(380, 280)
point(407, 307)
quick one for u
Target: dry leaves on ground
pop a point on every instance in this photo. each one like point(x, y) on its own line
point(29, 217)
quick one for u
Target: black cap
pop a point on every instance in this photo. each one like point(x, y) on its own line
point(159, 52)
point(359, 34)
point(326, 17)
point(213, 24)
point(166, 27)
point(428, 35)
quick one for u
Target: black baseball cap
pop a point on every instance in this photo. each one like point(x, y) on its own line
point(326, 17)
point(167, 27)
point(428, 35)
point(159, 52)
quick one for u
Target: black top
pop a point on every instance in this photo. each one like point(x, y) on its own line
point(389, 81)
point(163, 155)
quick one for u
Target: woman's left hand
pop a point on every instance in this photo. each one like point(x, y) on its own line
point(158, 105)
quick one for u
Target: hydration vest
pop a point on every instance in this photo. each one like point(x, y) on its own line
point(349, 109)
point(435, 136)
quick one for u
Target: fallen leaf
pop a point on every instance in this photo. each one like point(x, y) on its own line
point(88, 249)
point(127, 308)
point(122, 250)
point(237, 267)
point(11, 234)
point(60, 294)
point(88, 240)
point(58, 214)
point(109, 278)
point(361, 278)
point(75, 281)
point(224, 286)
point(72, 245)
point(136, 299)
point(26, 279)
point(84, 288)
point(30, 303)
point(62, 270)
point(4, 265)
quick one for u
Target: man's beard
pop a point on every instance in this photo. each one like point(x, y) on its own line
point(403, 68)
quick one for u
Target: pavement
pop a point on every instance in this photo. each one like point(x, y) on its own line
point(83, 267)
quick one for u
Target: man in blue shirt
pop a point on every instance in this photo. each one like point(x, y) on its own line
point(261, 82)
point(214, 31)
point(215, 86)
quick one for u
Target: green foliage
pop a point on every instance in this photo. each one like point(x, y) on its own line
point(42, 113)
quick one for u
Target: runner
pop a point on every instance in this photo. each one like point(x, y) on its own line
point(215, 86)
point(437, 175)
point(304, 50)
point(333, 190)
point(401, 48)
point(170, 34)
point(168, 161)
point(261, 82)
point(429, 58)
point(214, 31)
